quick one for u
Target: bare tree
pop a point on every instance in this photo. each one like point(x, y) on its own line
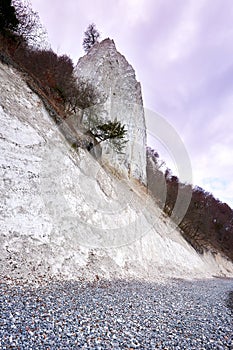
point(29, 28)
point(83, 95)
point(8, 19)
point(91, 36)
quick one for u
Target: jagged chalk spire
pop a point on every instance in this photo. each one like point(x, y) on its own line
point(111, 74)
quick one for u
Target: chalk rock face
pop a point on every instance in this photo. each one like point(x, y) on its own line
point(114, 78)
point(63, 215)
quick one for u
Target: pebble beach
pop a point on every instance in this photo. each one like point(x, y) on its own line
point(175, 314)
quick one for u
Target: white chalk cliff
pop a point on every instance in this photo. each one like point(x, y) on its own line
point(64, 215)
point(114, 78)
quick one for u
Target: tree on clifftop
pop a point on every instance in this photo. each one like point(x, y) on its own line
point(91, 36)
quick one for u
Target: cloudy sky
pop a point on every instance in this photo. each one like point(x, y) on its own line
point(182, 51)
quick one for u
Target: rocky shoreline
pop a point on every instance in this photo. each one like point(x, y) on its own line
point(173, 314)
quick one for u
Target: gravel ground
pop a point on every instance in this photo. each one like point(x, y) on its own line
point(118, 315)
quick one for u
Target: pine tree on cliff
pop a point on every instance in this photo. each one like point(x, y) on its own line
point(112, 131)
point(91, 36)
